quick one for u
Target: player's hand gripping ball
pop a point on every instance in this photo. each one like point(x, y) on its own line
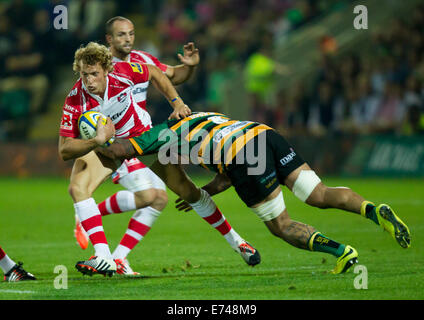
point(87, 124)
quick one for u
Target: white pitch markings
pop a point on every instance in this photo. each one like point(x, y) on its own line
point(16, 291)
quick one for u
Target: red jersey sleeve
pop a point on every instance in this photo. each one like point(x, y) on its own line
point(137, 72)
point(70, 115)
point(156, 61)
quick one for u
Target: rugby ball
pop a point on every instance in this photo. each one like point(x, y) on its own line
point(87, 125)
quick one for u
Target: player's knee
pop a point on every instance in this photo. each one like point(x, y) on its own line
point(318, 196)
point(161, 200)
point(279, 224)
point(340, 197)
point(145, 198)
point(274, 214)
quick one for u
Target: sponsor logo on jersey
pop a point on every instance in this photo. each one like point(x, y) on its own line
point(115, 86)
point(70, 108)
point(284, 161)
point(271, 175)
point(227, 130)
point(117, 115)
point(271, 183)
point(136, 67)
point(139, 90)
point(66, 122)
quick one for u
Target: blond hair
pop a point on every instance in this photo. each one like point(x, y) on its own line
point(91, 54)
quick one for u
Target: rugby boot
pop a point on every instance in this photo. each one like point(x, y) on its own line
point(17, 273)
point(346, 260)
point(80, 234)
point(123, 267)
point(97, 265)
point(393, 225)
point(249, 254)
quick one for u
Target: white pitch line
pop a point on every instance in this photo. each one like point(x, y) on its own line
point(16, 291)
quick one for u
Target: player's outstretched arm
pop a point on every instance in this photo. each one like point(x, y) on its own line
point(181, 73)
point(120, 149)
point(164, 85)
point(72, 148)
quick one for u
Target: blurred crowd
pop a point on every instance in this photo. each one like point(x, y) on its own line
point(361, 93)
point(377, 90)
point(32, 52)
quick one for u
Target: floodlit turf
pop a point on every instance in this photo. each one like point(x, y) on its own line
point(182, 257)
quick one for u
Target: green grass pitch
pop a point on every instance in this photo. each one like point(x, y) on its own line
point(182, 257)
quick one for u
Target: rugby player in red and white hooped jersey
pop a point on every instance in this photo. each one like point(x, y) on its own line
point(107, 88)
point(120, 37)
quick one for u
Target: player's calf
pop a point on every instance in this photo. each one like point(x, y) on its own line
point(341, 198)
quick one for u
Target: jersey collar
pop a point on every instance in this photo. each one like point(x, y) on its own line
point(96, 97)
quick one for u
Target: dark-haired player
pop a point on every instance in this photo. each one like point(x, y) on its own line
point(228, 147)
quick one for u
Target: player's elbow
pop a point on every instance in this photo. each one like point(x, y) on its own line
point(64, 154)
point(176, 81)
point(63, 149)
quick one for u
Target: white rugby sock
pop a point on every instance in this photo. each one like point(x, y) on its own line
point(6, 263)
point(91, 221)
point(122, 201)
point(138, 227)
point(207, 209)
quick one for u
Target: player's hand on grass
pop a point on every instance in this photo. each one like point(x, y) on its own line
point(105, 131)
point(181, 111)
point(182, 205)
point(191, 55)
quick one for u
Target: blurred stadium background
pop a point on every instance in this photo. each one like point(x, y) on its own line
point(350, 101)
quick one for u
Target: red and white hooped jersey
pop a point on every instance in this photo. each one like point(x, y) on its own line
point(118, 102)
point(140, 90)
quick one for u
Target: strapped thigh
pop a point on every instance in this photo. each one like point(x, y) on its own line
point(270, 209)
point(305, 184)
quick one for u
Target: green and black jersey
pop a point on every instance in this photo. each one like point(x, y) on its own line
point(210, 139)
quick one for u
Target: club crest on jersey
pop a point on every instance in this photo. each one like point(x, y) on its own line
point(122, 97)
